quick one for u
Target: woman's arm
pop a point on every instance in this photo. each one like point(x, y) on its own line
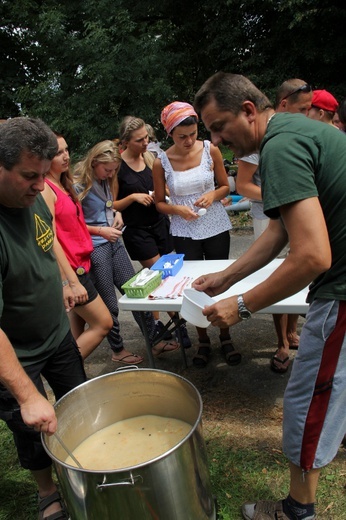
point(121, 204)
point(110, 233)
point(80, 294)
point(220, 174)
point(244, 183)
point(160, 196)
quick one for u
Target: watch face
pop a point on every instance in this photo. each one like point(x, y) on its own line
point(244, 314)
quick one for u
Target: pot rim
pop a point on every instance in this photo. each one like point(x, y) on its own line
point(123, 370)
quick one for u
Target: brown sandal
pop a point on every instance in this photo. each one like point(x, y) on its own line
point(165, 347)
point(202, 356)
point(45, 502)
point(232, 357)
point(280, 366)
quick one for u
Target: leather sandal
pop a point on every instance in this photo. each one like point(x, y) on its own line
point(232, 356)
point(165, 347)
point(280, 366)
point(45, 502)
point(201, 358)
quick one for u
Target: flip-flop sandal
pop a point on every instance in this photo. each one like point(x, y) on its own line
point(124, 358)
point(281, 368)
point(232, 356)
point(45, 502)
point(201, 358)
point(161, 348)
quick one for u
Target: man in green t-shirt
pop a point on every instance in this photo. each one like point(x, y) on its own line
point(35, 337)
point(303, 177)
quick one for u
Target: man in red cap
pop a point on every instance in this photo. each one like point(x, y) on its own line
point(323, 106)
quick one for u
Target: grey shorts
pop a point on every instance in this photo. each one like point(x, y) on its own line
point(315, 397)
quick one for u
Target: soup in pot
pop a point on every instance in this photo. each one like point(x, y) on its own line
point(129, 442)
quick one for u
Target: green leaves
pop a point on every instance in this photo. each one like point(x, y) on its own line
point(84, 66)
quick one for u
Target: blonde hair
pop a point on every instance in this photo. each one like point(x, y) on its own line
point(151, 133)
point(103, 152)
point(128, 125)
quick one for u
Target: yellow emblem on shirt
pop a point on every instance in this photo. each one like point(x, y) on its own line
point(44, 234)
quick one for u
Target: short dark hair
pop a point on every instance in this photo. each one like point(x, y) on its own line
point(24, 134)
point(230, 91)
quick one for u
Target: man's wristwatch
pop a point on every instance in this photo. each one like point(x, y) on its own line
point(243, 311)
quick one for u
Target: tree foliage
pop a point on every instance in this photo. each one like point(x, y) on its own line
point(82, 66)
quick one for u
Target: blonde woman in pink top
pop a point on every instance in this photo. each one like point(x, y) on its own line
point(73, 247)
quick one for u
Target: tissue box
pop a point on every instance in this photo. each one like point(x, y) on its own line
point(143, 291)
point(175, 260)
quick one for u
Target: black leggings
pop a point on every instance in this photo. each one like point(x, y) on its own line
point(111, 266)
point(213, 248)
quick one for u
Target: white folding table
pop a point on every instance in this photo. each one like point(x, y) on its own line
point(295, 304)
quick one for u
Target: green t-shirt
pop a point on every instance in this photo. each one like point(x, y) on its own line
point(301, 158)
point(31, 302)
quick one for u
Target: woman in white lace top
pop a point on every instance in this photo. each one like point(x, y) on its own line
point(194, 173)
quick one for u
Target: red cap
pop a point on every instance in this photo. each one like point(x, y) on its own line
point(324, 99)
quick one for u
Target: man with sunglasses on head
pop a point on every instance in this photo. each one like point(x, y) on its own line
point(303, 173)
point(294, 96)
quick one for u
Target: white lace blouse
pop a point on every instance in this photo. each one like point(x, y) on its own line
point(185, 187)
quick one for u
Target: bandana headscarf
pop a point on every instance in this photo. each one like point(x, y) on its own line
point(175, 113)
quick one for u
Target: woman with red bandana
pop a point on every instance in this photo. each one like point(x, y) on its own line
point(199, 223)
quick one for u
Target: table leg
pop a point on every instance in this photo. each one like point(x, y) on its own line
point(178, 321)
point(147, 340)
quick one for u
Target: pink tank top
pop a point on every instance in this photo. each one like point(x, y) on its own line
point(71, 230)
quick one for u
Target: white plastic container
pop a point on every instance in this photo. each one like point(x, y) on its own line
point(192, 306)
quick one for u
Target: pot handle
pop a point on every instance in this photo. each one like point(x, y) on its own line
point(127, 482)
point(127, 367)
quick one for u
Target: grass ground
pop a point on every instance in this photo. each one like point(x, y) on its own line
point(237, 474)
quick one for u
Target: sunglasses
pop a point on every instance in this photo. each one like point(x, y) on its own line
point(303, 88)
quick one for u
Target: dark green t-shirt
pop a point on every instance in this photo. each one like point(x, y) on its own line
point(31, 302)
point(301, 158)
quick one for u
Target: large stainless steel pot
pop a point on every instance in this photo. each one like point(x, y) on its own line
point(174, 486)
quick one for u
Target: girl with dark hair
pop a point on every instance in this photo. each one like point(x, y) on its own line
point(199, 223)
